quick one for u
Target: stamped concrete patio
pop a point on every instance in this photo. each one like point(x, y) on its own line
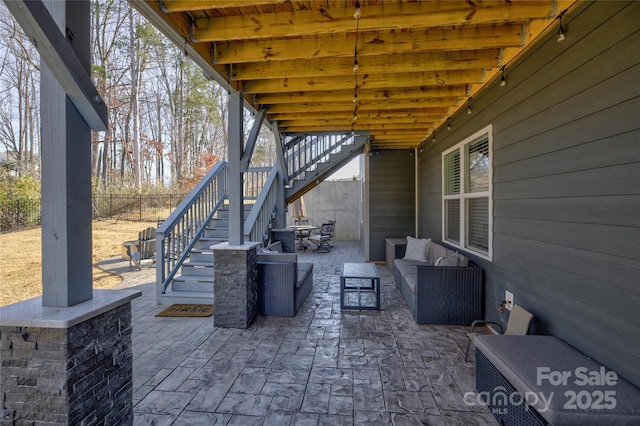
point(322, 367)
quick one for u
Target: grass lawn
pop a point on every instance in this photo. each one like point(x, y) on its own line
point(21, 260)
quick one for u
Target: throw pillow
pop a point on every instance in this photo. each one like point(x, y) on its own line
point(417, 249)
point(451, 260)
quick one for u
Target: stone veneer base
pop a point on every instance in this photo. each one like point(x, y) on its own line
point(68, 365)
point(235, 284)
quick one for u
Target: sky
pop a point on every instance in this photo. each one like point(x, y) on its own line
point(352, 168)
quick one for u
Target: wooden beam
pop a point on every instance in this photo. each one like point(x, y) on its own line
point(435, 113)
point(395, 144)
point(383, 64)
point(423, 92)
point(414, 138)
point(172, 6)
point(402, 122)
point(403, 135)
point(376, 81)
point(348, 127)
point(374, 17)
point(371, 43)
point(365, 106)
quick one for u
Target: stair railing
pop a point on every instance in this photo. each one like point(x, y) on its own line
point(303, 153)
point(180, 231)
point(258, 223)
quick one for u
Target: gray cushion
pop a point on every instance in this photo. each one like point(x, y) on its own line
point(463, 260)
point(451, 260)
point(518, 359)
point(277, 257)
point(408, 266)
point(436, 251)
point(417, 249)
point(304, 269)
point(275, 247)
point(411, 279)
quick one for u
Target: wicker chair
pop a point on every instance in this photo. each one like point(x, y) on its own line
point(518, 325)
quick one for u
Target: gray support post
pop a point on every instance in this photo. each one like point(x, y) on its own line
point(235, 175)
point(282, 162)
point(281, 214)
point(253, 138)
point(283, 179)
point(66, 172)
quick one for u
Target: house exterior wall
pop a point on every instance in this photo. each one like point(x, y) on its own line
point(391, 204)
point(566, 184)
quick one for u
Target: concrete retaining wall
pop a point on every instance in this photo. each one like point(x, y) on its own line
point(335, 200)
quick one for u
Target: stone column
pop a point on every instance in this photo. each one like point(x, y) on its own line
point(235, 285)
point(68, 366)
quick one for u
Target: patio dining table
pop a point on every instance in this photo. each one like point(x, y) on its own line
point(302, 232)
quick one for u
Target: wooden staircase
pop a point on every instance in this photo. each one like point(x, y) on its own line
point(194, 284)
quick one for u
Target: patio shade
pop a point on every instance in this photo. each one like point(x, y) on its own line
point(298, 209)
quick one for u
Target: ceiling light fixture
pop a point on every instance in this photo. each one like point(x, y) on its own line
point(561, 31)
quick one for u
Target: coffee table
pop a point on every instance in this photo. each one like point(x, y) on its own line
point(358, 279)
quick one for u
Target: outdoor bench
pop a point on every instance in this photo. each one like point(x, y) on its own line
point(540, 380)
point(438, 294)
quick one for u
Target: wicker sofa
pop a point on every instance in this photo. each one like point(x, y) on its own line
point(283, 282)
point(438, 294)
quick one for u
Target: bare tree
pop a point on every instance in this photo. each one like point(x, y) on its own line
point(19, 96)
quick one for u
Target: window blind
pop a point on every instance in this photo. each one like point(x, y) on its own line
point(453, 220)
point(452, 173)
point(478, 223)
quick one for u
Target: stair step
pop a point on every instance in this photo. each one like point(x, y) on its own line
point(200, 269)
point(201, 255)
point(207, 242)
point(197, 263)
point(187, 297)
point(192, 279)
point(217, 233)
point(193, 283)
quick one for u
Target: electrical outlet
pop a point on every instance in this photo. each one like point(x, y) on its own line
point(509, 300)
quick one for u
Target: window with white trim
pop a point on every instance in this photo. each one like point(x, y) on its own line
point(467, 194)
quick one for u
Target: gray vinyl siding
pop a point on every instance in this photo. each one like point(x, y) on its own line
point(392, 198)
point(566, 184)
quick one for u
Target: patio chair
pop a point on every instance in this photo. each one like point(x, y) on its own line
point(518, 325)
point(333, 228)
point(321, 240)
point(143, 248)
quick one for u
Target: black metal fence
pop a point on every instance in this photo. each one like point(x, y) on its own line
point(19, 213)
point(135, 207)
point(24, 213)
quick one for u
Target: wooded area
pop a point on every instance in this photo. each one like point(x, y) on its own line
point(167, 121)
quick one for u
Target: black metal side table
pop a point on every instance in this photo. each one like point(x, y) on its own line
point(358, 280)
